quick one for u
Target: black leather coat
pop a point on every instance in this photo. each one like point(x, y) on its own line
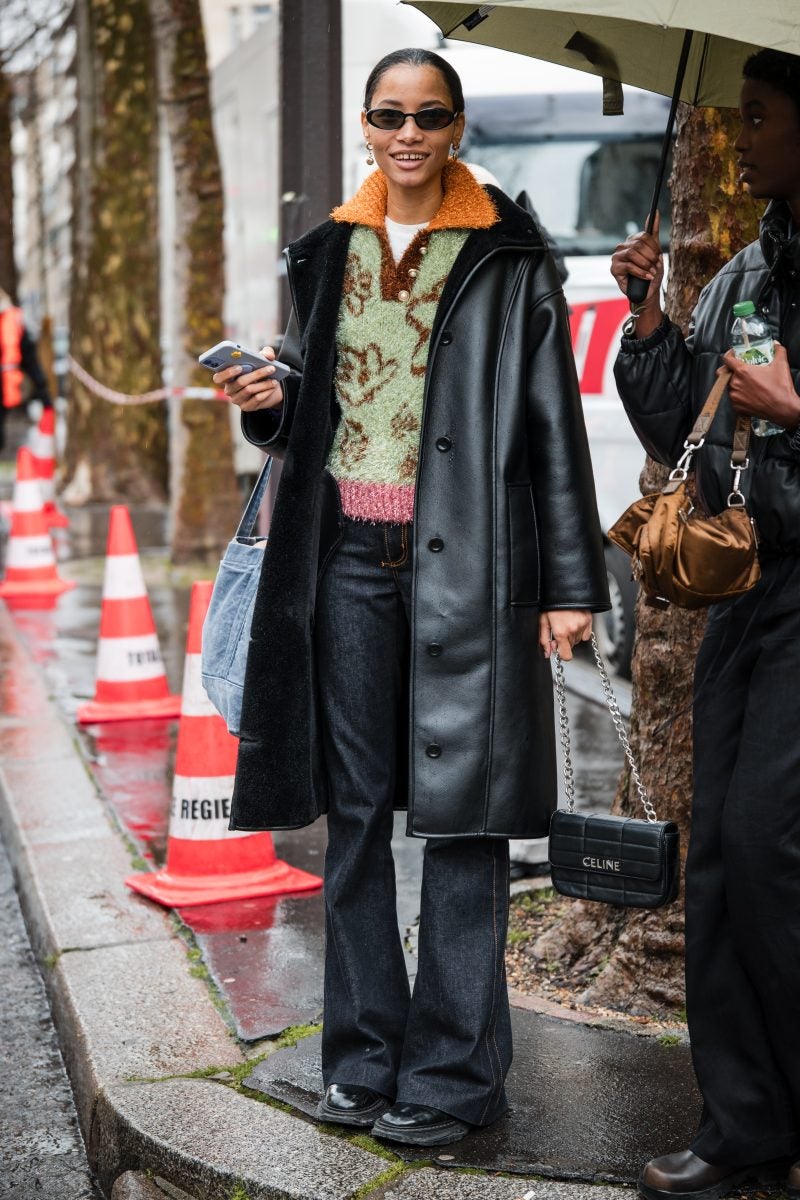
point(505, 524)
point(664, 380)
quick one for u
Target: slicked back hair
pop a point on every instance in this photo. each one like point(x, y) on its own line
point(414, 57)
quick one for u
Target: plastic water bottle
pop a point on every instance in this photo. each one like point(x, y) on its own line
point(751, 341)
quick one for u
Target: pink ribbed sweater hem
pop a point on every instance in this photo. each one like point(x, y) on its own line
point(378, 502)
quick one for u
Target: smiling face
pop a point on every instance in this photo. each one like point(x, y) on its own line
point(411, 157)
point(768, 145)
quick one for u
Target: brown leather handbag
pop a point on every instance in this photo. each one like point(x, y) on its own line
point(679, 554)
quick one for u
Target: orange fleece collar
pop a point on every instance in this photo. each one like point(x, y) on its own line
point(466, 205)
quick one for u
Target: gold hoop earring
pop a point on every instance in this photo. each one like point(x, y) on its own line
point(370, 159)
point(454, 153)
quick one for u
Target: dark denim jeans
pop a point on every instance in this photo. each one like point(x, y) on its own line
point(449, 1044)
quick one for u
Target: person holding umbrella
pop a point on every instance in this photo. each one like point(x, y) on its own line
point(743, 866)
point(434, 538)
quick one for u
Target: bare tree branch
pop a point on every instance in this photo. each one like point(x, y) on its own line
point(26, 36)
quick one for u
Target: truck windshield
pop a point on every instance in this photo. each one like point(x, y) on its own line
point(590, 194)
point(589, 177)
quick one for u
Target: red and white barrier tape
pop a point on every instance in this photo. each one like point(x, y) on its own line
point(107, 393)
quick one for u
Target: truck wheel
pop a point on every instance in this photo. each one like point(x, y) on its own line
point(615, 629)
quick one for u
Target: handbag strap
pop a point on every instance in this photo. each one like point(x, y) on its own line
point(619, 725)
point(250, 515)
point(709, 410)
point(697, 437)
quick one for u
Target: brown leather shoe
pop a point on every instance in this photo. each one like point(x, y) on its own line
point(686, 1176)
point(793, 1182)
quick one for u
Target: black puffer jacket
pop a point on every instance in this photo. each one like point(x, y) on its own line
point(505, 524)
point(664, 380)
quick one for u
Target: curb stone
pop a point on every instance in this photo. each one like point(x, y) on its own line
point(429, 1184)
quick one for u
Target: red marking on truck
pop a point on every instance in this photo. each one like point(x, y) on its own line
point(604, 319)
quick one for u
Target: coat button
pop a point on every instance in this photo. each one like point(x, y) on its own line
point(436, 544)
point(435, 649)
point(446, 337)
point(413, 273)
point(433, 751)
point(403, 295)
point(443, 444)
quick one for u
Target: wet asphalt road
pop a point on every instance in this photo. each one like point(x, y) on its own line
point(42, 1156)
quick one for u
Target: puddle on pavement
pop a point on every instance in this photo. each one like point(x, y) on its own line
point(265, 955)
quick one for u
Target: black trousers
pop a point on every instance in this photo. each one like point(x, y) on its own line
point(447, 1044)
point(743, 874)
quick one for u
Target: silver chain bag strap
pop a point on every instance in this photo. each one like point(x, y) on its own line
point(633, 862)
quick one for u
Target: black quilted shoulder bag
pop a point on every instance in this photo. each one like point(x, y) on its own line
point(628, 861)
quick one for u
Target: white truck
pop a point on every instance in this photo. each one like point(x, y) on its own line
point(590, 179)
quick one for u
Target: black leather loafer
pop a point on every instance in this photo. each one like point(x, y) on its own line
point(418, 1125)
point(793, 1182)
point(346, 1104)
point(688, 1177)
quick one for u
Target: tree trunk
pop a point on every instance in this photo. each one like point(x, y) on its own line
point(204, 497)
point(634, 960)
point(8, 266)
point(115, 453)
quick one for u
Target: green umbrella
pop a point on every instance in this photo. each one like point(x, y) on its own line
point(692, 50)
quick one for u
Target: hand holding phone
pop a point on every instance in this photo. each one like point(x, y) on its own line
point(249, 380)
point(230, 354)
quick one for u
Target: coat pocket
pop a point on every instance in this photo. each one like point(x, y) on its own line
point(523, 542)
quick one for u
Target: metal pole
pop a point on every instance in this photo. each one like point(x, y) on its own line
point(311, 117)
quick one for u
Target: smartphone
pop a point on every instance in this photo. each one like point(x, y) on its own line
point(231, 354)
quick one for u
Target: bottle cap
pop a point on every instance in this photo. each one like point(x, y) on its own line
point(745, 308)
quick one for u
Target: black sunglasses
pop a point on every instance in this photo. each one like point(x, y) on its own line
point(426, 118)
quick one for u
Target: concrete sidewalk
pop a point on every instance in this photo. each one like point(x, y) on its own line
point(157, 1071)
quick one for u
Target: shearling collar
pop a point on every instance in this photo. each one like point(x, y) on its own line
point(466, 205)
point(316, 261)
point(515, 226)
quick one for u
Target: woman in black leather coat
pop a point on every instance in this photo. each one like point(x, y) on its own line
point(743, 868)
point(399, 628)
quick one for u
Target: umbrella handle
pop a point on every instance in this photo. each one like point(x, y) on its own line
point(637, 289)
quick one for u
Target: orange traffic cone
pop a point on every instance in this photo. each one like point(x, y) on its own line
point(205, 861)
point(31, 578)
point(43, 449)
point(131, 680)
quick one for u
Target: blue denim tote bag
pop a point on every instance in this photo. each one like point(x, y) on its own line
point(226, 630)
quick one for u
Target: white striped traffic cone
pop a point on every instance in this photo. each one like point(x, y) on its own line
point(206, 862)
point(131, 680)
point(31, 579)
point(42, 445)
